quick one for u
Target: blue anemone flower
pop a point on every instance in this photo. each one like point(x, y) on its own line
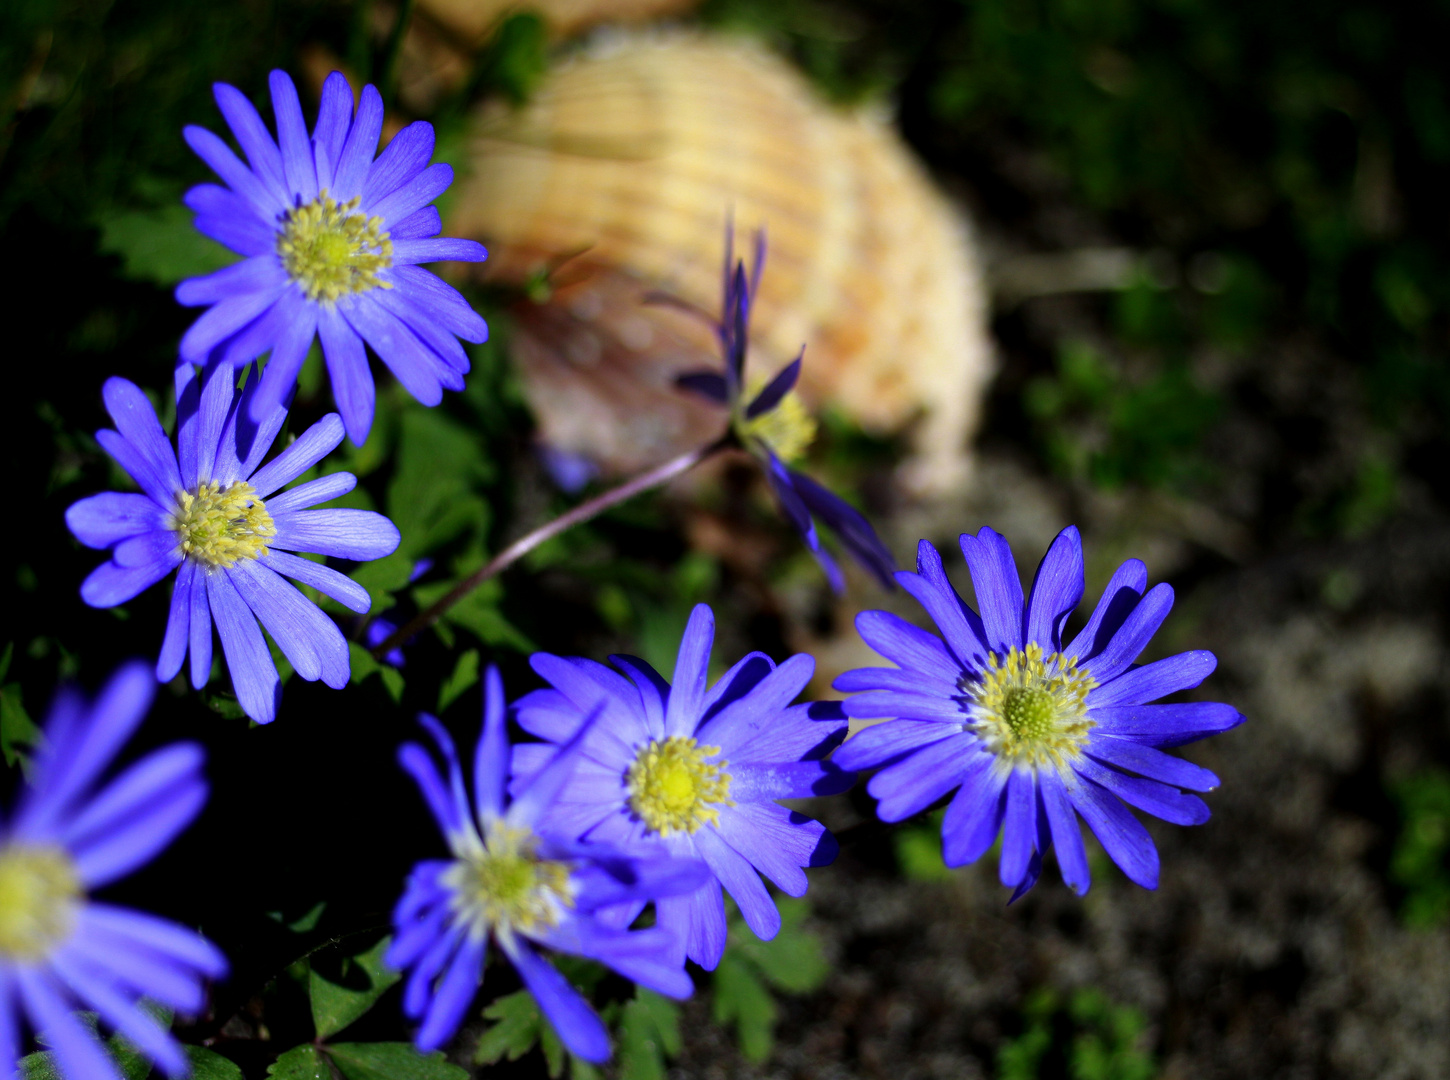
point(516, 879)
point(1028, 730)
point(60, 950)
point(695, 768)
point(331, 240)
point(214, 518)
point(770, 421)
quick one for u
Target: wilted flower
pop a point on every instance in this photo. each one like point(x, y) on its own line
point(696, 769)
point(214, 518)
point(516, 879)
point(59, 949)
point(770, 421)
point(1028, 731)
point(331, 240)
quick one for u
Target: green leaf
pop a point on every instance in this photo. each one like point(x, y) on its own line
point(300, 1063)
point(742, 999)
point(39, 1067)
point(393, 681)
point(384, 576)
point(465, 674)
point(161, 246)
point(209, 1065)
point(361, 660)
point(392, 1061)
point(794, 960)
point(432, 496)
point(334, 1005)
point(17, 730)
point(517, 1028)
point(649, 1031)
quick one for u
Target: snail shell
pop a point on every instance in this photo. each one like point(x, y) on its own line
point(618, 177)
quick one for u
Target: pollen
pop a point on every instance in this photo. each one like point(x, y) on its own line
point(39, 894)
point(219, 525)
point(504, 887)
point(788, 429)
point(672, 787)
point(332, 249)
point(1030, 709)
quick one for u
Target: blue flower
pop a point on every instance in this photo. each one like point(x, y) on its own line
point(331, 240)
point(1031, 732)
point(770, 421)
point(695, 769)
point(516, 879)
point(215, 519)
point(59, 949)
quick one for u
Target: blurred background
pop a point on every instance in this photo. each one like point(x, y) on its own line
point(1177, 271)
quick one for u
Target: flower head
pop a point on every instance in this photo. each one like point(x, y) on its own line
point(695, 768)
point(60, 950)
point(769, 420)
point(1031, 732)
point(332, 240)
point(228, 530)
point(515, 879)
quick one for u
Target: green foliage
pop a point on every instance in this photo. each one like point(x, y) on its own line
point(1094, 1038)
point(793, 962)
point(364, 665)
point(433, 495)
point(363, 979)
point(516, 58)
point(519, 1026)
point(161, 245)
point(209, 1065)
point(649, 1033)
point(304, 1062)
point(391, 1061)
point(1420, 863)
point(17, 731)
point(465, 674)
point(129, 1060)
point(1096, 423)
point(918, 849)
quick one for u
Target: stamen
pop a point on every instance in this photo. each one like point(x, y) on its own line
point(332, 250)
point(39, 894)
point(1030, 709)
point(788, 429)
point(671, 785)
point(504, 886)
point(219, 526)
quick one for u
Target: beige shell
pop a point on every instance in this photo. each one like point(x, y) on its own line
point(629, 159)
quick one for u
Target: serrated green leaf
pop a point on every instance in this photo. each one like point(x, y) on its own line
point(335, 1006)
point(392, 681)
point(392, 1061)
point(432, 497)
point(742, 999)
point(649, 1031)
point(517, 1028)
point(209, 1065)
point(300, 1063)
point(17, 731)
point(794, 960)
point(161, 246)
point(465, 674)
point(554, 1052)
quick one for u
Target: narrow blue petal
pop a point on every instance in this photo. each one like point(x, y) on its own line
point(1056, 590)
point(334, 116)
point(77, 1050)
point(741, 882)
point(1165, 725)
point(1155, 798)
point(201, 430)
point(413, 195)
point(422, 224)
point(403, 158)
point(199, 631)
point(136, 422)
point(164, 938)
point(296, 148)
point(312, 446)
point(224, 319)
point(419, 765)
point(911, 785)
point(105, 519)
point(881, 743)
point(264, 201)
point(850, 526)
point(342, 533)
point(437, 249)
point(455, 992)
point(907, 646)
point(108, 584)
point(112, 854)
point(122, 1013)
point(710, 385)
point(974, 815)
point(254, 676)
point(347, 368)
point(906, 706)
point(775, 390)
point(751, 781)
point(1120, 597)
point(1133, 636)
point(1066, 834)
point(310, 640)
point(178, 625)
point(150, 780)
point(579, 1029)
point(1121, 834)
point(356, 157)
point(736, 724)
point(999, 589)
point(961, 628)
point(258, 274)
point(289, 350)
point(446, 303)
point(1140, 685)
point(1019, 828)
point(146, 549)
point(255, 140)
point(313, 492)
point(687, 694)
point(396, 345)
point(1154, 764)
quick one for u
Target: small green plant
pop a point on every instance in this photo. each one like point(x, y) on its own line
point(1419, 864)
point(1088, 1034)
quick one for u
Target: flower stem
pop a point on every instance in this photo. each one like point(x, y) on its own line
point(585, 511)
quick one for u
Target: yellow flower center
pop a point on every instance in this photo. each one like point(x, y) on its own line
point(220, 525)
point(332, 250)
point(39, 894)
point(1030, 709)
point(671, 785)
point(788, 429)
point(505, 887)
